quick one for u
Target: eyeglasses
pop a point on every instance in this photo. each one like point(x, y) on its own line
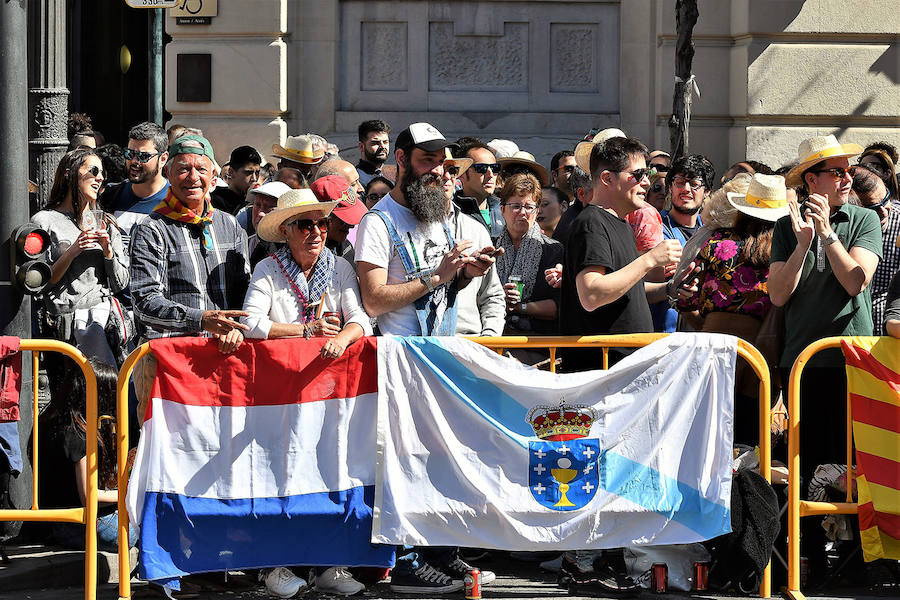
point(837, 172)
point(885, 200)
point(529, 208)
point(657, 188)
point(94, 172)
point(694, 184)
point(141, 157)
point(661, 168)
point(639, 174)
point(567, 168)
point(306, 225)
point(452, 171)
point(482, 168)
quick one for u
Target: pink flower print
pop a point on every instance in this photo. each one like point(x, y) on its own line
point(720, 299)
point(745, 279)
point(725, 250)
point(710, 286)
point(758, 308)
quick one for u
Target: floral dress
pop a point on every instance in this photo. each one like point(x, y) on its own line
point(727, 284)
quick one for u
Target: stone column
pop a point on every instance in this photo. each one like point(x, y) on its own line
point(48, 97)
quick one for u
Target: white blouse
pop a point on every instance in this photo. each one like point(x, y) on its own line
point(271, 299)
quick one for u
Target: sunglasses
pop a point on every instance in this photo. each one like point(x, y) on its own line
point(94, 172)
point(529, 208)
point(452, 171)
point(567, 168)
point(482, 168)
point(639, 174)
point(510, 170)
point(657, 188)
point(885, 200)
point(141, 157)
point(838, 172)
point(306, 225)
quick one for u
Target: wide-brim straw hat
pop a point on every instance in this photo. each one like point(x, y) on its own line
point(290, 204)
point(766, 198)
point(583, 149)
point(299, 149)
point(527, 159)
point(461, 163)
point(816, 149)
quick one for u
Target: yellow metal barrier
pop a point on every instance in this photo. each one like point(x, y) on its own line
point(745, 350)
point(804, 508)
point(86, 515)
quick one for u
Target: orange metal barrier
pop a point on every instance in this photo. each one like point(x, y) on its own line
point(86, 515)
point(745, 350)
point(804, 508)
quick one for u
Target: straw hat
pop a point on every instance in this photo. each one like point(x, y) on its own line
point(583, 149)
point(766, 198)
point(290, 204)
point(817, 149)
point(462, 163)
point(299, 149)
point(527, 159)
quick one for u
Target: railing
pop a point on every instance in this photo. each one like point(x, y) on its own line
point(745, 350)
point(804, 508)
point(86, 515)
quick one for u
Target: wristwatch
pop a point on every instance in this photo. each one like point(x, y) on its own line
point(522, 309)
point(426, 281)
point(832, 238)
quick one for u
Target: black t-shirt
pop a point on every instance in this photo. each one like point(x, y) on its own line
point(564, 226)
point(600, 239)
point(223, 198)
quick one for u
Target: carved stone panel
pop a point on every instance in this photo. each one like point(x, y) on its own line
point(498, 63)
point(384, 52)
point(573, 57)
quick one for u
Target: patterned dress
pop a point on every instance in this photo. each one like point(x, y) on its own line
point(728, 284)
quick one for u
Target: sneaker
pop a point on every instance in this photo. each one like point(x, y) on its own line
point(425, 580)
point(281, 582)
point(459, 568)
point(338, 580)
point(603, 579)
point(552, 565)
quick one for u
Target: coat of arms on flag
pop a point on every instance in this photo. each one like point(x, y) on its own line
point(563, 468)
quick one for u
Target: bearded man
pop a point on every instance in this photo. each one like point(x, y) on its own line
point(133, 199)
point(374, 148)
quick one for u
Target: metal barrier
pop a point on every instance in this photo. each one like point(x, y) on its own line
point(86, 515)
point(745, 350)
point(804, 508)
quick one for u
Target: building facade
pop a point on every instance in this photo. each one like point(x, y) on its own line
point(541, 72)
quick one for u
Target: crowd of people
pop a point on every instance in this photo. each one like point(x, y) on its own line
point(475, 238)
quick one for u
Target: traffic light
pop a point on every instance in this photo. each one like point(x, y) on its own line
point(29, 268)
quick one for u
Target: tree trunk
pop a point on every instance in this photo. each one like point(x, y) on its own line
point(686, 14)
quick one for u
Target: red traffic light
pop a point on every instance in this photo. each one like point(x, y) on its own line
point(34, 243)
point(28, 258)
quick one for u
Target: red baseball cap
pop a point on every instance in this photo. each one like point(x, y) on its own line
point(334, 188)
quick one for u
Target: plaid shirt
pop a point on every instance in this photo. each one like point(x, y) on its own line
point(886, 268)
point(173, 279)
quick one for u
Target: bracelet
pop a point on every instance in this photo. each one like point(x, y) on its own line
point(426, 281)
point(306, 331)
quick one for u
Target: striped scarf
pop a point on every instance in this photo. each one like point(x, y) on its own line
point(309, 294)
point(172, 208)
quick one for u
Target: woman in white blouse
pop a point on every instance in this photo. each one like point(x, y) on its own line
point(293, 291)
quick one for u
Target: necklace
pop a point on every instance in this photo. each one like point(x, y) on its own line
point(302, 302)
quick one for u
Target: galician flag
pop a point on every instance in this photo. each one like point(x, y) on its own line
point(475, 449)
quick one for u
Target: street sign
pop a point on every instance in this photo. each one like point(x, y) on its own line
point(195, 12)
point(152, 3)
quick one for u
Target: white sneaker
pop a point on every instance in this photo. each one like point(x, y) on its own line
point(338, 580)
point(282, 583)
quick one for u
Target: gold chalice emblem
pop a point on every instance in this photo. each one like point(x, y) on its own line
point(563, 475)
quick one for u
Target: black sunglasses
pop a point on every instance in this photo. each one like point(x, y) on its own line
point(141, 157)
point(639, 174)
point(510, 170)
point(452, 171)
point(94, 171)
point(482, 168)
point(306, 225)
point(567, 168)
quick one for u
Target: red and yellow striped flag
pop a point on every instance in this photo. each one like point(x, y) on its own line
point(873, 381)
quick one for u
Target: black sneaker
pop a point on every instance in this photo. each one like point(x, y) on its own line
point(425, 580)
point(459, 568)
point(603, 579)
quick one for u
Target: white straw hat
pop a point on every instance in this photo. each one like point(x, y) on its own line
point(290, 204)
point(766, 198)
point(816, 149)
point(583, 149)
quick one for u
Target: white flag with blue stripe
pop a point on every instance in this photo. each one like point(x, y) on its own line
point(475, 449)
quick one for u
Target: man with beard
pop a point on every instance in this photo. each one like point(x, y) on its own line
point(690, 181)
point(410, 269)
point(374, 146)
point(562, 165)
point(132, 200)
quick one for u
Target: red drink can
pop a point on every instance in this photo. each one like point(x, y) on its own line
point(659, 578)
point(473, 584)
point(701, 576)
point(333, 317)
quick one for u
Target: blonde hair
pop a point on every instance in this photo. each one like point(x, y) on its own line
point(718, 213)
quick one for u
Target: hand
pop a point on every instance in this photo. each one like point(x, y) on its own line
point(452, 262)
point(803, 227)
point(322, 327)
point(478, 263)
point(332, 348)
point(553, 275)
point(229, 342)
point(84, 241)
point(220, 322)
point(667, 252)
point(512, 296)
point(102, 238)
point(820, 212)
